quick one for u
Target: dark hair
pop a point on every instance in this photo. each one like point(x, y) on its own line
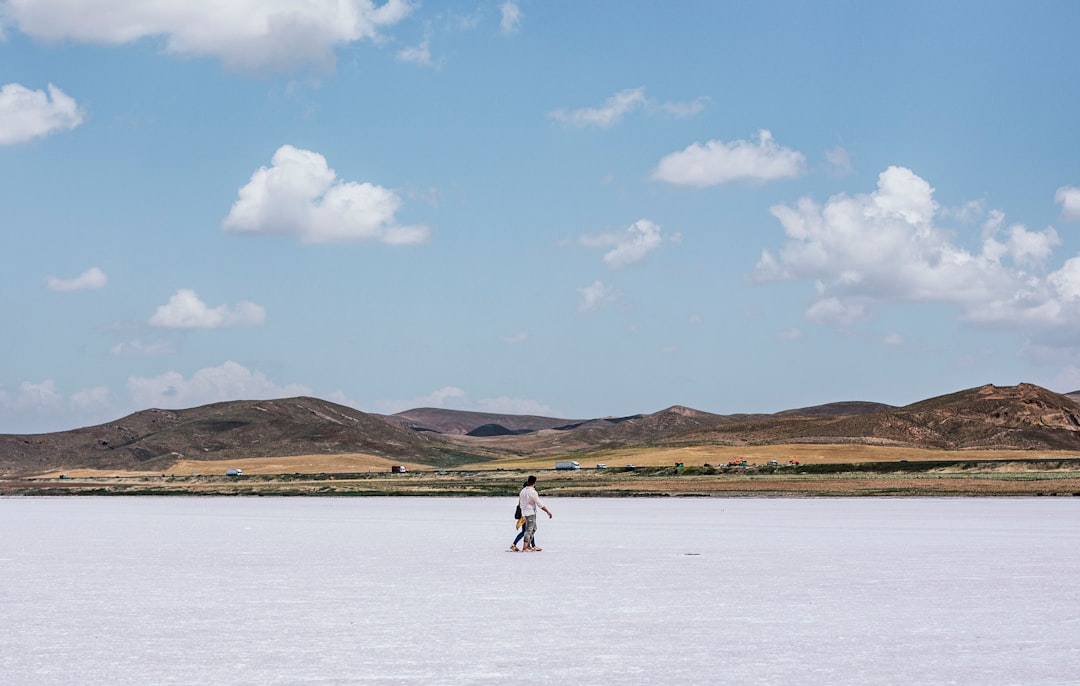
point(530, 481)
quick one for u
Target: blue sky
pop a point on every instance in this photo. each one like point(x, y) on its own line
point(570, 209)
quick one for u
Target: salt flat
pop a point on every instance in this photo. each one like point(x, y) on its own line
point(627, 591)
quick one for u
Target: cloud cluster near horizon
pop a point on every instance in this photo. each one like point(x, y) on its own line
point(246, 35)
point(866, 250)
point(455, 398)
point(300, 195)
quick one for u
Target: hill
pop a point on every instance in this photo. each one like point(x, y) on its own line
point(154, 439)
point(1023, 417)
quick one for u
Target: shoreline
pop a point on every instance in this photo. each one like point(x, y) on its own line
point(981, 479)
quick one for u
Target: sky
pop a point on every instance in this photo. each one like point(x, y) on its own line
point(571, 209)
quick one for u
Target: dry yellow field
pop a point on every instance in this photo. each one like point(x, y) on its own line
point(806, 454)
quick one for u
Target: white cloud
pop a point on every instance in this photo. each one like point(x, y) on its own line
point(1069, 199)
point(454, 398)
point(300, 195)
point(893, 339)
point(230, 381)
point(507, 405)
point(839, 160)
point(684, 109)
point(418, 54)
point(696, 320)
point(629, 246)
point(448, 397)
point(833, 312)
point(595, 296)
point(866, 250)
point(41, 407)
point(605, 116)
point(717, 162)
point(243, 34)
point(40, 397)
point(792, 334)
point(622, 103)
point(511, 17)
point(514, 339)
point(27, 114)
point(91, 279)
point(90, 401)
point(137, 348)
point(186, 311)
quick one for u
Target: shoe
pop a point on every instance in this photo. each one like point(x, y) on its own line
point(513, 548)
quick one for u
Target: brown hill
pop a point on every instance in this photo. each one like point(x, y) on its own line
point(154, 439)
point(988, 417)
point(1009, 417)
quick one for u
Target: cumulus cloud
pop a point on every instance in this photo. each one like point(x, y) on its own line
point(607, 115)
point(89, 280)
point(36, 407)
point(137, 348)
point(300, 195)
point(629, 246)
point(596, 295)
point(186, 311)
point(243, 34)
point(27, 114)
point(717, 162)
point(1069, 199)
point(417, 54)
point(685, 108)
point(230, 381)
point(866, 250)
point(511, 17)
point(622, 103)
point(838, 160)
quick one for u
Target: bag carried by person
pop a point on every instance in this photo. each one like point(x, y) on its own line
point(517, 512)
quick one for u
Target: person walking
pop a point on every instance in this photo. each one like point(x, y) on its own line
point(519, 525)
point(530, 502)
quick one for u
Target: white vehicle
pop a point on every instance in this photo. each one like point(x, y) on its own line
point(234, 472)
point(570, 464)
point(601, 465)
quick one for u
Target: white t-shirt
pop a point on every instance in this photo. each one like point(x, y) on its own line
point(529, 501)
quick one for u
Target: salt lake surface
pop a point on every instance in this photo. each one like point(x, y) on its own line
point(627, 591)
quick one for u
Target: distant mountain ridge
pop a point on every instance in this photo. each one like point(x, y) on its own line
point(1009, 417)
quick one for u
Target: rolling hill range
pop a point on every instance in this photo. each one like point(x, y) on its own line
point(1023, 417)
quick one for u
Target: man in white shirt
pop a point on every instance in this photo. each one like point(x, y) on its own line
point(530, 503)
